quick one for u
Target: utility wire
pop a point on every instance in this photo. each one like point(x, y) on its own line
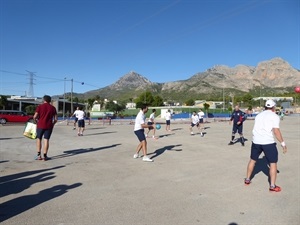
point(51, 78)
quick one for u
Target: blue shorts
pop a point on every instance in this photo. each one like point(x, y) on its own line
point(237, 128)
point(269, 150)
point(150, 123)
point(140, 134)
point(43, 132)
point(81, 123)
point(192, 124)
point(201, 120)
point(168, 122)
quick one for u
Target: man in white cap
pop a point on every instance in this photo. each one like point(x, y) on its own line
point(266, 126)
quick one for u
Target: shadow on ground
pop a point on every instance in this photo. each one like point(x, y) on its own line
point(82, 151)
point(162, 150)
point(21, 204)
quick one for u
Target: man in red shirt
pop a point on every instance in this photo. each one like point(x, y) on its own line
point(45, 116)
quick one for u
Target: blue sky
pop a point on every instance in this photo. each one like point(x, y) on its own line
point(99, 41)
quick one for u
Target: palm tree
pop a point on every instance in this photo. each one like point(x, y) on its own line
point(206, 107)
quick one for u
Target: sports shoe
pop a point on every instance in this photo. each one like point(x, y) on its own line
point(230, 143)
point(247, 181)
point(38, 157)
point(275, 188)
point(202, 134)
point(135, 156)
point(192, 133)
point(46, 158)
point(147, 159)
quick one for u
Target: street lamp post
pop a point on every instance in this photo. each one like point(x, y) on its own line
point(64, 103)
point(72, 95)
point(223, 101)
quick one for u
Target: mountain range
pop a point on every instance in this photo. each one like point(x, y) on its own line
point(274, 76)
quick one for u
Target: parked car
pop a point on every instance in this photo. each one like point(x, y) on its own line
point(14, 116)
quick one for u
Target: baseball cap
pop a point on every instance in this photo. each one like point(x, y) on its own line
point(270, 103)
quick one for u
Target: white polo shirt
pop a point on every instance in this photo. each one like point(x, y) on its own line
point(152, 117)
point(139, 120)
point(80, 115)
point(168, 116)
point(201, 115)
point(263, 126)
point(195, 119)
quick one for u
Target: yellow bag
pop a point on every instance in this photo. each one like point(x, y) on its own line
point(30, 130)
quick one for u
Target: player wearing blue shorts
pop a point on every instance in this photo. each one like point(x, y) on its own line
point(46, 117)
point(194, 122)
point(266, 126)
point(139, 131)
point(238, 118)
point(201, 126)
point(168, 117)
point(151, 122)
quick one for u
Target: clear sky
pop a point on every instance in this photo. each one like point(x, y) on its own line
point(99, 41)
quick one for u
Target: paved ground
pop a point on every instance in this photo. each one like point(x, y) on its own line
point(193, 180)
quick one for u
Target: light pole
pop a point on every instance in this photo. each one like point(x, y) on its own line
point(223, 101)
point(72, 95)
point(260, 97)
point(64, 103)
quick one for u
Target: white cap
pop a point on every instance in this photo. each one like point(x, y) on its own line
point(270, 103)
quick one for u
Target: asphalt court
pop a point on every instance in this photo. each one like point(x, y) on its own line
point(94, 179)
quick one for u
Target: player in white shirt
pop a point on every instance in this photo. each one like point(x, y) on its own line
point(81, 123)
point(151, 122)
point(168, 120)
point(266, 126)
point(76, 119)
point(194, 122)
point(139, 131)
point(201, 125)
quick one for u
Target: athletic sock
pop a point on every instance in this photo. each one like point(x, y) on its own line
point(39, 153)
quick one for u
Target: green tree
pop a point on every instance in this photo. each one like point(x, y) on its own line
point(144, 98)
point(157, 101)
point(139, 105)
point(247, 98)
point(206, 106)
point(3, 101)
point(90, 102)
point(116, 108)
point(30, 109)
point(190, 102)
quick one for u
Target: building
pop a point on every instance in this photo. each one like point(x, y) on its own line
point(61, 105)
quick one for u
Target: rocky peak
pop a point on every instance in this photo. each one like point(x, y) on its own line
point(276, 73)
point(131, 80)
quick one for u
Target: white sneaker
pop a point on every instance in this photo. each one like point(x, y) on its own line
point(147, 159)
point(135, 156)
point(192, 133)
